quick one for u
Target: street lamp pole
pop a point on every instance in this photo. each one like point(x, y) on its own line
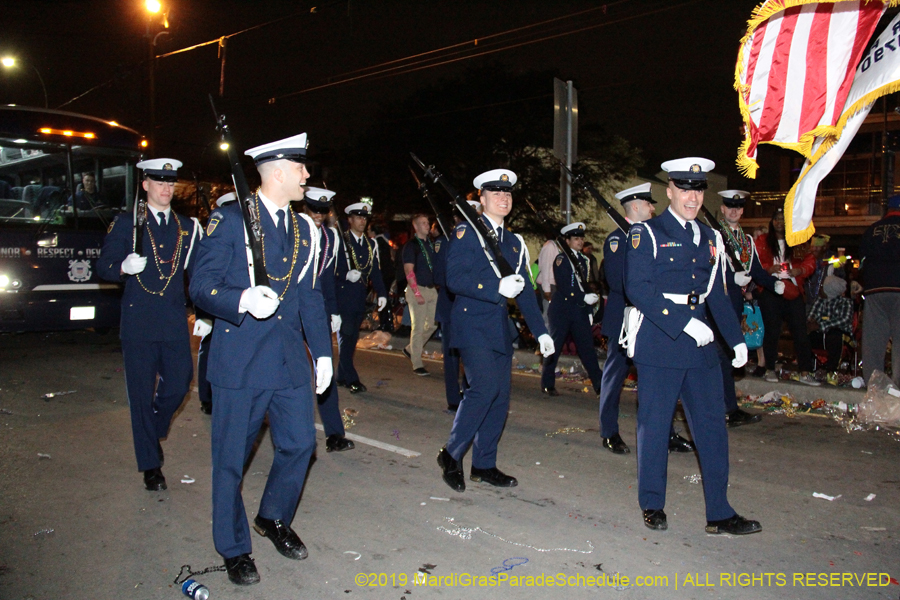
point(153, 7)
point(9, 62)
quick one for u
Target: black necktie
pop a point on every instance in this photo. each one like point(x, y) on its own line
point(162, 220)
point(279, 225)
point(499, 234)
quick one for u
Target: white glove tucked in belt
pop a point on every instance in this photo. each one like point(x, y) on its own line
point(547, 347)
point(134, 264)
point(700, 331)
point(591, 299)
point(512, 285)
point(260, 301)
point(779, 287)
point(353, 276)
point(324, 372)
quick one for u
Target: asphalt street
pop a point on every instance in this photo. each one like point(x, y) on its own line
point(76, 522)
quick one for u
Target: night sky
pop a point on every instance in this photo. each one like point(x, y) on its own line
point(658, 73)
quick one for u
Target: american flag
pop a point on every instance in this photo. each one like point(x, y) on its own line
point(795, 68)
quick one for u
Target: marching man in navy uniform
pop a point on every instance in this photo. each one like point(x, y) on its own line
point(570, 311)
point(638, 205)
point(480, 330)
point(357, 264)
point(154, 331)
point(257, 363)
point(675, 277)
point(317, 206)
point(741, 272)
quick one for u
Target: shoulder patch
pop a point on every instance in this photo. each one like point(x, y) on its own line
point(635, 238)
point(111, 225)
point(437, 245)
point(214, 220)
point(559, 260)
point(614, 244)
point(460, 231)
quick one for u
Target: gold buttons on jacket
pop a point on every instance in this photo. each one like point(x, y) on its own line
point(665, 311)
point(214, 292)
point(480, 286)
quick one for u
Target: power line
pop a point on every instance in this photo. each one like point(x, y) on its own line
point(391, 72)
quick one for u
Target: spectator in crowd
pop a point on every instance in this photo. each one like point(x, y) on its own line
point(880, 270)
point(548, 254)
point(830, 318)
point(818, 247)
point(778, 259)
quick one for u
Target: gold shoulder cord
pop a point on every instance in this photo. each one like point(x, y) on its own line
point(175, 260)
point(293, 258)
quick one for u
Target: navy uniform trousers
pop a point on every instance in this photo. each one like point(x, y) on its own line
point(615, 369)
point(259, 367)
point(670, 365)
point(479, 330)
point(442, 316)
point(568, 314)
point(154, 332)
point(351, 299)
point(328, 401)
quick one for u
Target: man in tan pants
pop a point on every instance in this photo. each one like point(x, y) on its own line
point(418, 264)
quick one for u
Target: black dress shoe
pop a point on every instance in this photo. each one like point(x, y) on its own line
point(154, 480)
point(206, 408)
point(421, 372)
point(551, 391)
point(616, 444)
point(356, 387)
point(680, 444)
point(283, 537)
point(453, 471)
point(241, 570)
point(737, 417)
point(338, 443)
point(759, 372)
point(656, 519)
point(493, 476)
point(736, 525)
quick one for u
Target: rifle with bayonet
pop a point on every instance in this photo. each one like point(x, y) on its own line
point(581, 181)
point(443, 219)
point(488, 234)
point(245, 199)
point(140, 218)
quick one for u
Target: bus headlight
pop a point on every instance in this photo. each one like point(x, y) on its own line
point(4, 282)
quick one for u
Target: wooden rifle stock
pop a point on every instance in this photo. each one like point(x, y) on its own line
point(488, 234)
point(245, 199)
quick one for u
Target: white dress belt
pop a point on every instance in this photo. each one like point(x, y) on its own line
point(686, 298)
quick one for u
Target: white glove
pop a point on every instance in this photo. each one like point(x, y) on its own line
point(260, 301)
point(335, 323)
point(134, 264)
point(202, 327)
point(324, 371)
point(740, 356)
point(700, 331)
point(512, 285)
point(779, 287)
point(547, 348)
point(742, 278)
point(382, 302)
point(591, 299)
point(353, 276)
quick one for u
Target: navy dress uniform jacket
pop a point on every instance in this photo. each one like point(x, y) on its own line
point(615, 369)
point(329, 407)
point(154, 328)
point(442, 316)
point(479, 316)
point(246, 352)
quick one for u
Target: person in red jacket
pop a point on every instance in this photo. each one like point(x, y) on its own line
point(785, 263)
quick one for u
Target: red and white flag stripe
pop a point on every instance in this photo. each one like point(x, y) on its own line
point(795, 68)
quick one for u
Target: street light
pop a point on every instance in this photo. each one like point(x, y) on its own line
point(154, 7)
point(9, 62)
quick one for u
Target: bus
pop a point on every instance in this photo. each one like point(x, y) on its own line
point(63, 179)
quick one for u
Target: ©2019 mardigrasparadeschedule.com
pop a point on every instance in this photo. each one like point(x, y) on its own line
point(620, 581)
